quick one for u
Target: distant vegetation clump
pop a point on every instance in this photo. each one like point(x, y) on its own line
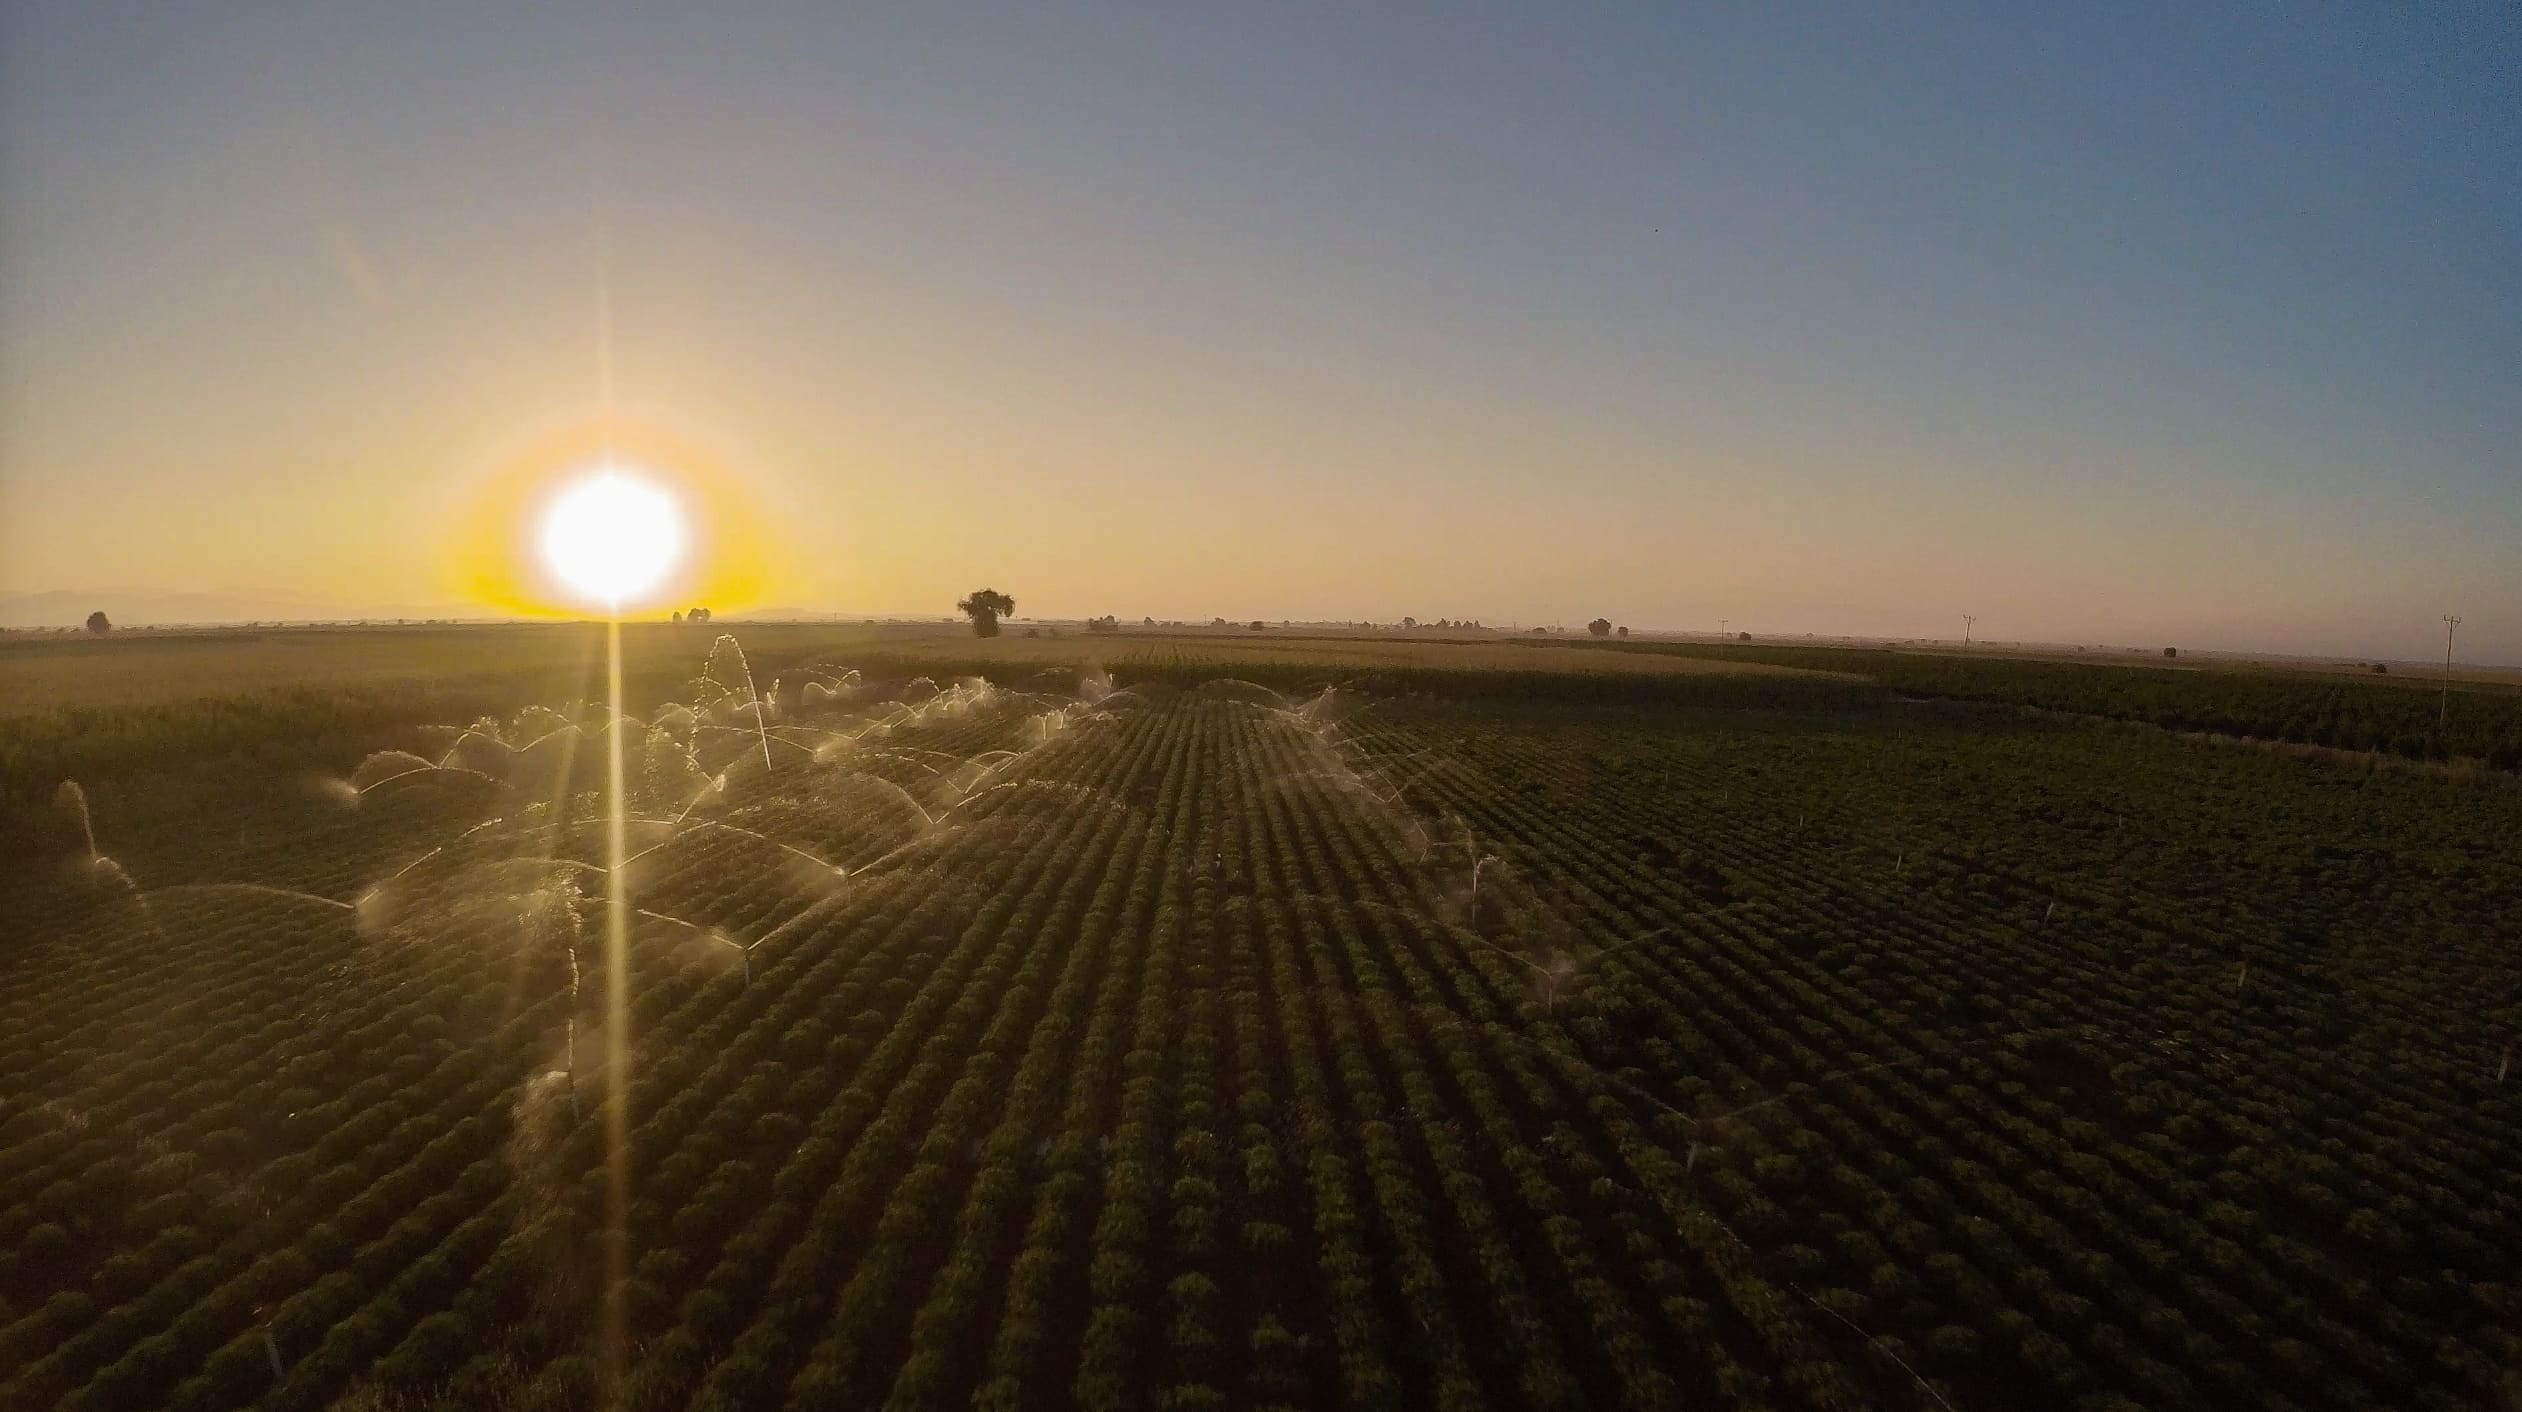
point(97, 624)
point(985, 607)
point(1599, 627)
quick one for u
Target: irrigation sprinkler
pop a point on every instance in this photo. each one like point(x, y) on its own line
point(716, 784)
point(271, 1350)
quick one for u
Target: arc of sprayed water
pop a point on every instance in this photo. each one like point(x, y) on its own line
point(743, 950)
point(787, 728)
point(1002, 759)
point(564, 728)
point(922, 839)
point(752, 697)
point(139, 899)
point(75, 798)
point(815, 909)
point(470, 733)
point(775, 737)
point(980, 794)
point(926, 818)
point(256, 889)
point(1624, 944)
point(717, 784)
point(72, 796)
point(575, 864)
point(1070, 785)
point(374, 892)
point(924, 750)
point(895, 754)
point(1279, 696)
point(824, 864)
point(425, 857)
point(436, 770)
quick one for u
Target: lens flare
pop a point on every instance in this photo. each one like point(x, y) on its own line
point(612, 537)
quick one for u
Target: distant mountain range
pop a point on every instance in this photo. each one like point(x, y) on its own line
point(59, 608)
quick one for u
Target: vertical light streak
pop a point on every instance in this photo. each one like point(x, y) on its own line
point(616, 1031)
point(615, 1333)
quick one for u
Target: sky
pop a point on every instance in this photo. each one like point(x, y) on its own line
point(2184, 324)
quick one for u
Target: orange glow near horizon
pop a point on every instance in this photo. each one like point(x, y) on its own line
point(729, 558)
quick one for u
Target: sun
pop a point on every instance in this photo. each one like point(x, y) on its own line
point(612, 536)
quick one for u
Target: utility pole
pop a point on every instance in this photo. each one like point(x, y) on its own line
point(1720, 629)
point(1968, 620)
point(2444, 714)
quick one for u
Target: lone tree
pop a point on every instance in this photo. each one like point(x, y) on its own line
point(1624, 634)
point(985, 607)
point(97, 624)
point(697, 615)
point(1599, 627)
point(2171, 652)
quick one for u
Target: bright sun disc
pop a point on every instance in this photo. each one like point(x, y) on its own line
point(612, 537)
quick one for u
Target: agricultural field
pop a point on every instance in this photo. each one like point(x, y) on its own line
point(2479, 723)
point(1188, 1023)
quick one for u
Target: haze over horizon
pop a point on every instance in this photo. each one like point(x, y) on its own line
point(2166, 325)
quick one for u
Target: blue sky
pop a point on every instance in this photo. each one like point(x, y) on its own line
point(2189, 324)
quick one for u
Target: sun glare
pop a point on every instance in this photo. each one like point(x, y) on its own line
point(612, 537)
